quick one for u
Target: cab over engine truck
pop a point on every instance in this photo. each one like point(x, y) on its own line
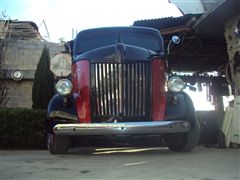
point(120, 85)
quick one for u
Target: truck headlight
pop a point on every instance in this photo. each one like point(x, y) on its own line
point(64, 87)
point(176, 84)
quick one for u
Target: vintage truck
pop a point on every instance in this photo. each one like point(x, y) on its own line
point(120, 85)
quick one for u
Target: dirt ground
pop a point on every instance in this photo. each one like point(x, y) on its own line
point(121, 163)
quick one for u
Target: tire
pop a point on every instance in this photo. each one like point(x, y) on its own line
point(58, 144)
point(185, 142)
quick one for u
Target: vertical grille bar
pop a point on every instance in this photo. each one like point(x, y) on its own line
point(103, 89)
point(144, 88)
point(133, 89)
point(111, 89)
point(128, 87)
point(115, 89)
point(106, 89)
point(140, 88)
point(100, 88)
point(136, 89)
point(120, 89)
point(124, 86)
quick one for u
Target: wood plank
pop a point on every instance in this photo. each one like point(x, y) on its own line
point(174, 30)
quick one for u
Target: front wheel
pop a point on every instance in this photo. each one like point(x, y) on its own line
point(183, 142)
point(58, 144)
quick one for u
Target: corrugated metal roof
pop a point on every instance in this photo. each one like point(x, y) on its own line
point(168, 22)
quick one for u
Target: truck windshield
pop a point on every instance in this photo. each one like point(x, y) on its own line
point(91, 41)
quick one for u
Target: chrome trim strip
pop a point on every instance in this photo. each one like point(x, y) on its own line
point(64, 115)
point(122, 128)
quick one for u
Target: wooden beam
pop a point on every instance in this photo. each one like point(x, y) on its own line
point(174, 30)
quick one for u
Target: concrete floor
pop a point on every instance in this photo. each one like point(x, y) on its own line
point(121, 163)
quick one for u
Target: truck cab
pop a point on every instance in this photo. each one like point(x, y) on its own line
point(120, 85)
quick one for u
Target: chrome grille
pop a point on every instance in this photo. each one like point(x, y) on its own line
point(120, 89)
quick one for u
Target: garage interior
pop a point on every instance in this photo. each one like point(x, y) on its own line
point(208, 57)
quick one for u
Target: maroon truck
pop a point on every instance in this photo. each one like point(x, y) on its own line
point(120, 85)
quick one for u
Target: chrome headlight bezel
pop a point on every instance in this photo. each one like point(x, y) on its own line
point(176, 84)
point(64, 87)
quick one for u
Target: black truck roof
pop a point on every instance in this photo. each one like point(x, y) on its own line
point(143, 37)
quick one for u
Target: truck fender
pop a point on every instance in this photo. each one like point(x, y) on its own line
point(180, 107)
point(57, 108)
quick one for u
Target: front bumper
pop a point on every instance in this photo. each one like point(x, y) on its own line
point(123, 128)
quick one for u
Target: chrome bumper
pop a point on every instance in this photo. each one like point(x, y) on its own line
point(123, 128)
